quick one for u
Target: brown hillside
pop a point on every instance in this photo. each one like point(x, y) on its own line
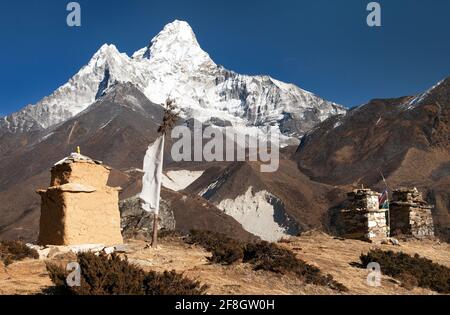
point(407, 139)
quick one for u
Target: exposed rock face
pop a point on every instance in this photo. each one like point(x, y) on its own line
point(79, 207)
point(362, 217)
point(410, 215)
point(262, 214)
point(287, 199)
point(137, 222)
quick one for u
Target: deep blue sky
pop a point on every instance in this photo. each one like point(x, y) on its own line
point(323, 46)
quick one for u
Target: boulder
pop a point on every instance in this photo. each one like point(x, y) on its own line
point(137, 223)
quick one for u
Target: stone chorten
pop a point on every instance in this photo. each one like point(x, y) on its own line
point(410, 215)
point(362, 217)
point(79, 207)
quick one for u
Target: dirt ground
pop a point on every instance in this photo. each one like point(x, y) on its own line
point(333, 256)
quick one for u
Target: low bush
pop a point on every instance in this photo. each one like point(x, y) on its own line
point(169, 234)
point(262, 255)
point(411, 270)
point(270, 257)
point(227, 253)
point(224, 250)
point(11, 251)
point(171, 283)
point(207, 239)
point(408, 281)
point(103, 275)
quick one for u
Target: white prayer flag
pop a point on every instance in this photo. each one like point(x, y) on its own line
point(152, 179)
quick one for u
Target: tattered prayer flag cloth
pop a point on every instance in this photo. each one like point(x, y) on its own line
point(383, 200)
point(152, 179)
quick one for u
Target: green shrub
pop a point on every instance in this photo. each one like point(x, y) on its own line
point(262, 255)
point(405, 267)
point(103, 275)
point(11, 251)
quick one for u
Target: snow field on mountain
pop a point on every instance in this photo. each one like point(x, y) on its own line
point(174, 65)
point(179, 180)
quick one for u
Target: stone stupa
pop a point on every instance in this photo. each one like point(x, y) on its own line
point(79, 207)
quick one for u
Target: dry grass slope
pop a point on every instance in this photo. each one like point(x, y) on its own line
point(332, 256)
point(263, 256)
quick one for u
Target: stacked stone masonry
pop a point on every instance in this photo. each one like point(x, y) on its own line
point(362, 217)
point(410, 215)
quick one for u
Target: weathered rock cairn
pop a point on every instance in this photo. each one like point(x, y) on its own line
point(362, 217)
point(410, 215)
point(79, 207)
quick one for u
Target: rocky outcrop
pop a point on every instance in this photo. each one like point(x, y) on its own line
point(138, 223)
point(79, 207)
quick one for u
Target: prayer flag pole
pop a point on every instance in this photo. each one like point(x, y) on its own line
point(153, 167)
point(388, 210)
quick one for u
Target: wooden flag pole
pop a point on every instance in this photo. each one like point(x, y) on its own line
point(156, 214)
point(155, 231)
point(388, 210)
point(169, 120)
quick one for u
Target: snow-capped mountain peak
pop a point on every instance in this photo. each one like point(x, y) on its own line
point(105, 67)
point(105, 50)
point(175, 49)
point(174, 65)
point(176, 43)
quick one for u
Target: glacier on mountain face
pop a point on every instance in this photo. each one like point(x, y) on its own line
point(175, 66)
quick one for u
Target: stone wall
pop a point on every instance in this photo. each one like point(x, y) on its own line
point(410, 215)
point(361, 217)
